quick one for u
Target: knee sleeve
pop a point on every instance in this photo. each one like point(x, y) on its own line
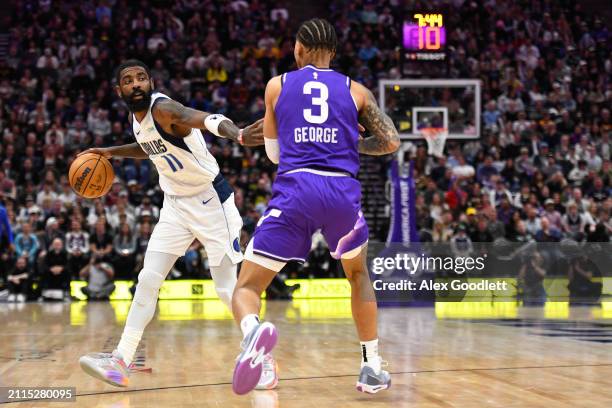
point(225, 278)
point(147, 290)
point(152, 276)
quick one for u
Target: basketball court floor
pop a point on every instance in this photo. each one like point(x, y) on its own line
point(453, 355)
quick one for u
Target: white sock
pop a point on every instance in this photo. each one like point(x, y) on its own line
point(248, 323)
point(369, 355)
point(129, 343)
point(154, 271)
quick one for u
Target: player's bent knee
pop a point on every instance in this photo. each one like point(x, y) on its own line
point(224, 276)
point(148, 286)
point(355, 271)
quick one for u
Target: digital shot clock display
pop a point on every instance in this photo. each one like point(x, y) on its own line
point(424, 36)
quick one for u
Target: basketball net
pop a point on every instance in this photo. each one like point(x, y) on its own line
point(436, 138)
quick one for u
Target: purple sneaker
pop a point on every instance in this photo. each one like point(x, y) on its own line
point(249, 365)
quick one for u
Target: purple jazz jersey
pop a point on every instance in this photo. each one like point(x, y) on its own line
point(316, 119)
point(318, 135)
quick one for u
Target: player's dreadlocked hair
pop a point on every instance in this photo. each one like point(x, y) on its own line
point(318, 34)
point(131, 63)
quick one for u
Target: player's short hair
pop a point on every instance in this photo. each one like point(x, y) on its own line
point(130, 63)
point(318, 34)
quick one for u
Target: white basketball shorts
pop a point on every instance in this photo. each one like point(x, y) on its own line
point(210, 216)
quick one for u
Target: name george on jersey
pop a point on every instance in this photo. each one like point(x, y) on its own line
point(153, 147)
point(315, 134)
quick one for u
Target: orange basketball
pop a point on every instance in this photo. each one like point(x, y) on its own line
point(91, 175)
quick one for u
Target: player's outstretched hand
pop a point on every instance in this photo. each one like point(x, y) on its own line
point(252, 135)
point(101, 151)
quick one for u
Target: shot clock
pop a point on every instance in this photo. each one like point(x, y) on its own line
point(424, 36)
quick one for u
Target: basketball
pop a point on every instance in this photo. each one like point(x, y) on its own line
point(91, 175)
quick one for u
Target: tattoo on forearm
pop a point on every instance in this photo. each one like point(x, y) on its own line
point(384, 139)
point(181, 115)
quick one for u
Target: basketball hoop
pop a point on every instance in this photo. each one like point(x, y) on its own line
point(436, 138)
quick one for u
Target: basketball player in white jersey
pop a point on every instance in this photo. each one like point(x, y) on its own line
point(198, 204)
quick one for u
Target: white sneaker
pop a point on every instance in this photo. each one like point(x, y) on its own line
point(249, 364)
point(21, 298)
point(108, 367)
point(269, 374)
point(370, 382)
point(11, 297)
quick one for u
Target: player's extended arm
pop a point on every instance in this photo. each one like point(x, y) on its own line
point(384, 139)
point(132, 150)
point(270, 130)
point(167, 111)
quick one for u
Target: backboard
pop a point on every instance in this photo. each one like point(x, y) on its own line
point(422, 103)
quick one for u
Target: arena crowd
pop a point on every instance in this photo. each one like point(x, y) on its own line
point(541, 170)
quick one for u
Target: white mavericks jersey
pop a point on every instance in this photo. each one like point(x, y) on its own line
point(184, 164)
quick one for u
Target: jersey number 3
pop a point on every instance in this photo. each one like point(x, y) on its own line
point(320, 101)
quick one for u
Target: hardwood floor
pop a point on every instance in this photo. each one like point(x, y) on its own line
point(448, 356)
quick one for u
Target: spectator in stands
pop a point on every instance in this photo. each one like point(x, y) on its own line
point(35, 218)
point(582, 287)
point(547, 232)
point(573, 222)
point(599, 233)
point(77, 247)
point(520, 233)
point(55, 277)
point(461, 244)
point(443, 230)
point(99, 276)
point(599, 193)
point(551, 214)
point(463, 170)
point(26, 244)
point(124, 246)
point(7, 186)
point(482, 234)
point(99, 211)
point(146, 205)
point(121, 213)
point(531, 280)
point(46, 194)
point(101, 242)
point(486, 171)
point(18, 280)
point(142, 240)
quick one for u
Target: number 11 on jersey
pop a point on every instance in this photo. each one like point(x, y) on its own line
point(173, 162)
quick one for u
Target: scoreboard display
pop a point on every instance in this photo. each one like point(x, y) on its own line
point(424, 37)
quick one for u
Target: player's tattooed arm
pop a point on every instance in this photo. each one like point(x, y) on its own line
point(384, 139)
point(167, 112)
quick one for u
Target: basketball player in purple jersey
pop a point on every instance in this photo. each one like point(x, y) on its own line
point(311, 132)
